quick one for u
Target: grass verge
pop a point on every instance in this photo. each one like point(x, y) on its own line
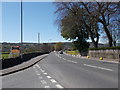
point(72, 52)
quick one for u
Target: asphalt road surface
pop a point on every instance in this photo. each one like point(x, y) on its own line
point(63, 71)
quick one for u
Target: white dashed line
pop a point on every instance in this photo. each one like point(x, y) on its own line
point(58, 86)
point(64, 59)
point(38, 74)
point(47, 86)
point(105, 68)
point(42, 70)
point(41, 77)
point(98, 67)
point(53, 81)
point(49, 77)
point(37, 66)
point(74, 62)
point(43, 82)
point(68, 60)
point(45, 73)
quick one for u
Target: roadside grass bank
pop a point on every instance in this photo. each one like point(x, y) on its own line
point(6, 56)
point(10, 62)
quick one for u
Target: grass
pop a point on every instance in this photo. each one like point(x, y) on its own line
point(72, 52)
point(6, 55)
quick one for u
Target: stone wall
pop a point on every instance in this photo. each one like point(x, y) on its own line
point(112, 54)
point(10, 62)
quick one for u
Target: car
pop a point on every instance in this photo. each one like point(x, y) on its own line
point(61, 52)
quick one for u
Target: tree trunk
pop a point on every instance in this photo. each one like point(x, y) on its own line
point(108, 35)
point(114, 42)
point(107, 32)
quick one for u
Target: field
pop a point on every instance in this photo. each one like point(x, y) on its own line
point(6, 55)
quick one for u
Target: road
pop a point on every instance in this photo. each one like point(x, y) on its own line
point(63, 71)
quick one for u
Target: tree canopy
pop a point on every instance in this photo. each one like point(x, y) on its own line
point(80, 21)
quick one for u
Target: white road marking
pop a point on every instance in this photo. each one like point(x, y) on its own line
point(71, 61)
point(53, 81)
point(105, 68)
point(45, 73)
point(58, 86)
point(42, 70)
point(34, 67)
point(47, 86)
point(74, 62)
point(68, 60)
point(41, 77)
point(37, 66)
point(63, 58)
point(98, 67)
point(38, 74)
point(43, 82)
point(49, 77)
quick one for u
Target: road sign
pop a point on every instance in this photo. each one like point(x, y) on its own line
point(15, 49)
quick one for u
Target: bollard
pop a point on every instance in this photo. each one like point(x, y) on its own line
point(88, 56)
point(119, 58)
point(101, 58)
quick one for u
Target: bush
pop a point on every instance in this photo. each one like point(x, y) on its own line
point(72, 52)
point(105, 48)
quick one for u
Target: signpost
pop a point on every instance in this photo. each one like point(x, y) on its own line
point(15, 51)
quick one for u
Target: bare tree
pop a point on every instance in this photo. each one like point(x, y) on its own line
point(102, 12)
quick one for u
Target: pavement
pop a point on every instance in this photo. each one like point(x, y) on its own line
point(64, 71)
point(22, 66)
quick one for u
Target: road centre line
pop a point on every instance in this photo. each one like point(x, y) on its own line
point(98, 67)
point(74, 62)
point(40, 77)
point(38, 74)
point(68, 60)
point(45, 73)
point(63, 58)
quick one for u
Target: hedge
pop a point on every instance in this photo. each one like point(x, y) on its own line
point(105, 48)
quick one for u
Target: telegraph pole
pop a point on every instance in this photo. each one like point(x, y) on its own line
point(21, 29)
point(38, 37)
point(21, 24)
